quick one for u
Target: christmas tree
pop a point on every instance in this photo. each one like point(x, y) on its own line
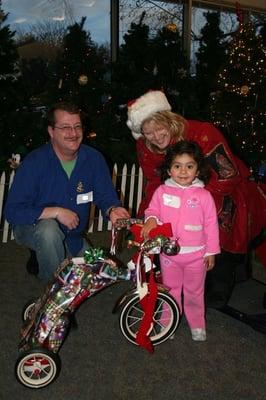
point(210, 56)
point(239, 100)
point(133, 73)
point(21, 127)
point(80, 70)
point(170, 67)
point(151, 62)
point(10, 88)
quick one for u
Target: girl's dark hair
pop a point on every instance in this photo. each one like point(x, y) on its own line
point(185, 147)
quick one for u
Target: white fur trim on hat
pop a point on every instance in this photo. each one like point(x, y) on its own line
point(144, 107)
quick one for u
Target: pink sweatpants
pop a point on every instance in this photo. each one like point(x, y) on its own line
point(186, 272)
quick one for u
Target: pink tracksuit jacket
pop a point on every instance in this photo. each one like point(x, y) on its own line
point(192, 213)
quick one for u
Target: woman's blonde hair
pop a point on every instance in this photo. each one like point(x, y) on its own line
point(175, 123)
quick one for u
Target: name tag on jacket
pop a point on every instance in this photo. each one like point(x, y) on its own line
point(84, 198)
point(171, 201)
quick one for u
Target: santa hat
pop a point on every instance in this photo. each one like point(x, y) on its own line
point(144, 107)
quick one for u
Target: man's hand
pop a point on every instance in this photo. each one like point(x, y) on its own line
point(118, 212)
point(68, 218)
point(63, 215)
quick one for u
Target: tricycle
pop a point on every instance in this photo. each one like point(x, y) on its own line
point(148, 313)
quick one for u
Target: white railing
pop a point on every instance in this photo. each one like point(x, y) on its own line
point(128, 182)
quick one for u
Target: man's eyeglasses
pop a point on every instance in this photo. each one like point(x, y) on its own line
point(68, 128)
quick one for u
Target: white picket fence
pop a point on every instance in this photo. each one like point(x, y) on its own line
point(128, 182)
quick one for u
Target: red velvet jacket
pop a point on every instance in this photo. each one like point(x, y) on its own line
point(240, 204)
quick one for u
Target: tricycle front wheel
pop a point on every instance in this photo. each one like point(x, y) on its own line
point(165, 318)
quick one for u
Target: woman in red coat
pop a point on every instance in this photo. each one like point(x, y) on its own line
point(240, 203)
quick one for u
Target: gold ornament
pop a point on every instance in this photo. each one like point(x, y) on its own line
point(83, 80)
point(244, 90)
point(171, 27)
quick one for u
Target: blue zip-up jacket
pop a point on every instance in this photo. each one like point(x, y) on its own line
point(40, 181)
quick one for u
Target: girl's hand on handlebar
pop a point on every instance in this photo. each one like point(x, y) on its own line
point(150, 224)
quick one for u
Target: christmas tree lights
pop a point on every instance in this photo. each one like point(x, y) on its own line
point(238, 103)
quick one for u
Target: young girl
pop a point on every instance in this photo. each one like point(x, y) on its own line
point(183, 201)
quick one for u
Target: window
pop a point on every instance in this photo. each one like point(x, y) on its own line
point(36, 17)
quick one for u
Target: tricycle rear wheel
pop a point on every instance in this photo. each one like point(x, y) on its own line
point(27, 309)
point(37, 368)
